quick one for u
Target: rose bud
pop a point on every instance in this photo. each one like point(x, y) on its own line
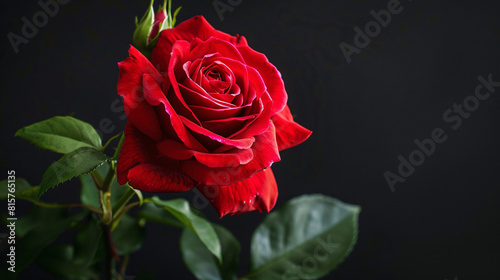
point(148, 29)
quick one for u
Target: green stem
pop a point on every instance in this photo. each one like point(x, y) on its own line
point(123, 267)
point(123, 201)
point(108, 181)
point(109, 141)
point(107, 210)
point(97, 178)
point(107, 214)
point(105, 195)
point(110, 253)
point(105, 190)
point(118, 216)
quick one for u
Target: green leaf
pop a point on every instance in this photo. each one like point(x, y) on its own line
point(181, 210)
point(61, 134)
point(22, 189)
point(76, 163)
point(152, 213)
point(128, 235)
point(306, 238)
point(174, 18)
point(38, 229)
point(202, 263)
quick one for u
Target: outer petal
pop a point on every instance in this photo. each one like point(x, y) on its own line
point(256, 193)
point(231, 158)
point(211, 45)
point(138, 110)
point(288, 132)
point(271, 76)
point(145, 168)
point(154, 178)
point(265, 151)
point(259, 125)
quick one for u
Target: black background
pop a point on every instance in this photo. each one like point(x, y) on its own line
point(441, 223)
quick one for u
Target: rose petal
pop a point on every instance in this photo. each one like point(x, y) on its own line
point(270, 74)
point(139, 112)
point(237, 143)
point(201, 47)
point(143, 64)
point(265, 151)
point(232, 158)
point(227, 127)
point(179, 51)
point(256, 88)
point(155, 96)
point(240, 79)
point(166, 125)
point(195, 95)
point(288, 132)
point(256, 193)
point(207, 114)
point(154, 178)
point(260, 124)
point(145, 168)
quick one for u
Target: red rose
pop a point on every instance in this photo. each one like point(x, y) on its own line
point(208, 112)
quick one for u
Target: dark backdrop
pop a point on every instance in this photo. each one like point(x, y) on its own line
point(441, 223)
